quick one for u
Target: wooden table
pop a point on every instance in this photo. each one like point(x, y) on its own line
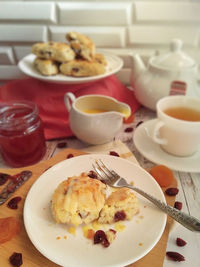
point(189, 193)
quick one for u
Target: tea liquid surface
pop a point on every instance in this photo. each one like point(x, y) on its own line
point(183, 113)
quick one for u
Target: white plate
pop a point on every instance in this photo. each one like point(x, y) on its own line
point(141, 233)
point(154, 153)
point(114, 64)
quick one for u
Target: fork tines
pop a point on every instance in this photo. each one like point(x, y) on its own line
point(102, 170)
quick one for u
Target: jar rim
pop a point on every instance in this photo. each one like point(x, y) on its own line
point(6, 119)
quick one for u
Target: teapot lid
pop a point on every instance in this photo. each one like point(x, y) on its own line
point(175, 59)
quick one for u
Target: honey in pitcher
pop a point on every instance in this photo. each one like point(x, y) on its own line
point(183, 113)
point(94, 111)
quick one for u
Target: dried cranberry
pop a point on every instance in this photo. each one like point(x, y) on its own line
point(120, 216)
point(62, 144)
point(178, 205)
point(11, 188)
point(113, 153)
point(16, 259)
point(105, 243)
point(16, 177)
point(92, 174)
point(128, 130)
point(180, 242)
point(175, 256)
point(13, 203)
point(172, 191)
point(99, 236)
point(4, 178)
point(22, 176)
point(70, 156)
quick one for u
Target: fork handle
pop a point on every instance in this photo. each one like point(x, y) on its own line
point(186, 220)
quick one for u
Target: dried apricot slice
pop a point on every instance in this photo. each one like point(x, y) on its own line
point(130, 119)
point(162, 174)
point(9, 227)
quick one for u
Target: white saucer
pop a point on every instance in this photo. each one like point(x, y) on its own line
point(154, 153)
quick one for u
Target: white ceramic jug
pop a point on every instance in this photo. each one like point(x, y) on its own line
point(95, 119)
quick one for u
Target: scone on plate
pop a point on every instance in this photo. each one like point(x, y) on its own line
point(82, 68)
point(100, 59)
point(78, 200)
point(60, 52)
point(120, 205)
point(83, 46)
point(46, 67)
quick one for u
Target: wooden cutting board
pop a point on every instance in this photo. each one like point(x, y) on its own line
point(22, 244)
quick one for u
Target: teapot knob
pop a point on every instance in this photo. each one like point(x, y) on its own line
point(176, 45)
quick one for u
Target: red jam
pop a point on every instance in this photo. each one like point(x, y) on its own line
point(22, 139)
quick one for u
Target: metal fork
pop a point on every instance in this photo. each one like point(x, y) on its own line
point(114, 180)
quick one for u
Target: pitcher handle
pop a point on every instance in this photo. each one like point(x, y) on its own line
point(69, 98)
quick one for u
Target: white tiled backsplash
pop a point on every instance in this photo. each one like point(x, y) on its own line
point(118, 26)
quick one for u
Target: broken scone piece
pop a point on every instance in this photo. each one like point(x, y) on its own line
point(121, 205)
point(60, 52)
point(82, 68)
point(46, 67)
point(78, 200)
point(82, 45)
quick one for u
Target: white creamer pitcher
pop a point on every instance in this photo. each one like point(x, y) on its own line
point(95, 119)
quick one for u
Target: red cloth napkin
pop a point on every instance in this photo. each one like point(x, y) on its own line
point(49, 98)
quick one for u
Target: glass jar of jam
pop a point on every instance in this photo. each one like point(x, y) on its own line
point(22, 140)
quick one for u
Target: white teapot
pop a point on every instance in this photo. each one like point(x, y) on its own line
point(174, 73)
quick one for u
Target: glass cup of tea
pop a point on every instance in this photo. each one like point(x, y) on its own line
point(177, 129)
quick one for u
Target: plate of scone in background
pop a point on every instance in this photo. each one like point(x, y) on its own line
point(75, 61)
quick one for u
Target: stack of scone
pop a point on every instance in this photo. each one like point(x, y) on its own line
point(77, 58)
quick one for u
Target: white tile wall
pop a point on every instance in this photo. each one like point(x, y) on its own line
point(102, 36)
point(22, 11)
point(91, 13)
point(121, 27)
point(167, 11)
point(22, 33)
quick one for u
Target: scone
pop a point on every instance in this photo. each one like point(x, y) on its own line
point(83, 46)
point(46, 67)
point(120, 205)
point(60, 52)
point(78, 200)
point(82, 68)
point(100, 59)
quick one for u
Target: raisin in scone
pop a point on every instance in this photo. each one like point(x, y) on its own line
point(83, 46)
point(78, 200)
point(82, 68)
point(120, 205)
point(46, 67)
point(60, 52)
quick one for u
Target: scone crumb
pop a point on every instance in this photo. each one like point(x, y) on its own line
point(119, 227)
point(111, 234)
